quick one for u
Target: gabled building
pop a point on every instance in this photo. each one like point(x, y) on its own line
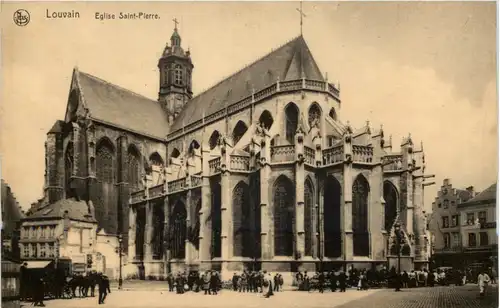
point(11, 222)
point(479, 227)
point(445, 224)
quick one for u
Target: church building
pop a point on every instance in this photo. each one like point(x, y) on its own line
point(256, 172)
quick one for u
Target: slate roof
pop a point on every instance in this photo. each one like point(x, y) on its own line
point(486, 196)
point(285, 63)
point(77, 210)
point(121, 107)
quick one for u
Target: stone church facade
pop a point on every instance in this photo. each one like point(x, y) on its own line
point(256, 172)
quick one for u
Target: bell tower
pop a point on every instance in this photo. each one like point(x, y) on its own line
point(175, 68)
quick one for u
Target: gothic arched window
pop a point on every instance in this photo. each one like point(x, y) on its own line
point(284, 198)
point(178, 75)
point(266, 119)
point(133, 167)
point(68, 168)
point(333, 114)
point(391, 205)
point(178, 223)
point(332, 194)
point(360, 190)
point(104, 162)
point(139, 232)
point(242, 231)
point(156, 160)
point(214, 140)
point(193, 148)
point(314, 114)
point(158, 225)
point(292, 121)
point(238, 131)
point(309, 217)
point(215, 214)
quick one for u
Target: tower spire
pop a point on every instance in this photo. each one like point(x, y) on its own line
point(301, 12)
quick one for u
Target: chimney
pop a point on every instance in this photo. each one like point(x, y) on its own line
point(470, 189)
point(446, 182)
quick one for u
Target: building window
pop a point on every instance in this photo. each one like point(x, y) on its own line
point(445, 204)
point(454, 220)
point(472, 240)
point(178, 75)
point(52, 231)
point(33, 250)
point(470, 219)
point(42, 232)
point(292, 120)
point(439, 205)
point(452, 203)
point(483, 239)
point(482, 217)
point(26, 232)
point(50, 250)
point(43, 250)
point(446, 221)
point(26, 251)
point(447, 241)
point(455, 239)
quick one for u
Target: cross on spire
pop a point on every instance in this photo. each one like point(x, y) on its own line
point(175, 22)
point(301, 12)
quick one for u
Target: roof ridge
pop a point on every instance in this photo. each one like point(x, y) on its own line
point(248, 65)
point(116, 86)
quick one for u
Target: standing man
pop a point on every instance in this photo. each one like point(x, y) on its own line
point(482, 281)
point(268, 282)
point(103, 288)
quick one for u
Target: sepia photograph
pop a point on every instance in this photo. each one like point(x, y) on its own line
point(249, 154)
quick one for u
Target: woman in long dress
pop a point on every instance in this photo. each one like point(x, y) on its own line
point(268, 282)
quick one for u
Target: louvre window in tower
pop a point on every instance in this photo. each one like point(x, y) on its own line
point(178, 75)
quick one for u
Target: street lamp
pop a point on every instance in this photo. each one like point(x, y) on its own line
point(397, 229)
point(120, 280)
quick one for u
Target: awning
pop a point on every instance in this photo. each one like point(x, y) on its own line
point(37, 264)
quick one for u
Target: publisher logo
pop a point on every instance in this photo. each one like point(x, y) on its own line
point(21, 17)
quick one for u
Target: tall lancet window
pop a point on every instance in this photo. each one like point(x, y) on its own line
point(133, 167)
point(360, 191)
point(308, 217)
point(391, 205)
point(292, 120)
point(242, 221)
point(284, 213)
point(68, 169)
point(104, 162)
point(178, 235)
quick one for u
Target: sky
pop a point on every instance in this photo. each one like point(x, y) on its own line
point(423, 68)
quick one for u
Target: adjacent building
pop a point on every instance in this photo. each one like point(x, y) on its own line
point(11, 222)
point(479, 237)
point(445, 224)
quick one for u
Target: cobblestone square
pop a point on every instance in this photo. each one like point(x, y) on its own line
point(149, 295)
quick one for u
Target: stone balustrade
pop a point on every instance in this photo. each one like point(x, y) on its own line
point(177, 185)
point(240, 163)
point(333, 155)
point(282, 153)
point(137, 196)
point(196, 180)
point(362, 153)
point(156, 191)
point(214, 165)
point(277, 87)
point(392, 162)
point(310, 156)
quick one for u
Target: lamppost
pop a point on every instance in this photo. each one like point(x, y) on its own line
point(120, 280)
point(397, 230)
